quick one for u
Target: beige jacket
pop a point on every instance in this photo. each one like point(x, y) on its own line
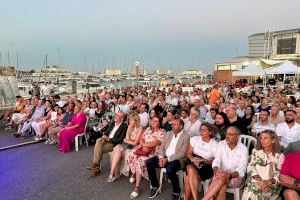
point(181, 146)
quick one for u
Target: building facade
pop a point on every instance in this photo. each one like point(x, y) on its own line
point(223, 69)
point(265, 49)
point(276, 45)
point(163, 72)
point(7, 71)
point(192, 73)
point(113, 72)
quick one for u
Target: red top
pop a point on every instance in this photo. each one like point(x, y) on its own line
point(290, 166)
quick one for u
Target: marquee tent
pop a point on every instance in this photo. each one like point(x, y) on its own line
point(251, 70)
point(286, 67)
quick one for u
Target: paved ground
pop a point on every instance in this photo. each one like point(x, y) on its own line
point(7, 139)
point(38, 171)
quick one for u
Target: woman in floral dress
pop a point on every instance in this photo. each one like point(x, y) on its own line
point(150, 141)
point(264, 168)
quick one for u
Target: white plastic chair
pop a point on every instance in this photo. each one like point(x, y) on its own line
point(257, 116)
point(205, 184)
point(246, 140)
point(78, 138)
point(237, 192)
point(180, 177)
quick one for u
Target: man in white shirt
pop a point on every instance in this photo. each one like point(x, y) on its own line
point(263, 124)
point(58, 101)
point(112, 137)
point(184, 116)
point(173, 99)
point(122, 106)
point(129, 99)
point(200, 105)
point(144, 116)
point(275, 118)
point(91, 113)
point(229, 165)
point(288, 131)
point(192, 126)
point(171, 152)
point(241, 108)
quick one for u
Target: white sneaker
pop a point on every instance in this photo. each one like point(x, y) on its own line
point(135, 194)
point(52, 142)
point(38, 138)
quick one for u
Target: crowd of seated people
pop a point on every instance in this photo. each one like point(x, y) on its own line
point(199, 132)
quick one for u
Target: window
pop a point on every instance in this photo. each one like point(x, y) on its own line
point(286, 44)
point(223, 67)
point(227, 67)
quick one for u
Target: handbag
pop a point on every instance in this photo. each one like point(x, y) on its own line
point(126, 145)
point(142, 152)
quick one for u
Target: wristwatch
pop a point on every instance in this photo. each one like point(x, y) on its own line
point(296, 183)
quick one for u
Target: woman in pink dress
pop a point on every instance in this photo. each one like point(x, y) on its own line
point(75, 127)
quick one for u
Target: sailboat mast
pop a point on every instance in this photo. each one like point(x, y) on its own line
point(58, 57)
point(46, 60)
point(17, 66)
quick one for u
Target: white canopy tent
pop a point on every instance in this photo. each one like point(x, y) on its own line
point(251, 70)
point(286, 67)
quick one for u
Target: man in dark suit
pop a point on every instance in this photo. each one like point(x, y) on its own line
point(113, 136)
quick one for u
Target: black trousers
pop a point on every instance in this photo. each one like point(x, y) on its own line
point(171, 169)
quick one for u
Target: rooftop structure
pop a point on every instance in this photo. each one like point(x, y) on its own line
point(277, 45)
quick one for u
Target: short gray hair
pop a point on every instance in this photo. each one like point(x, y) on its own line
point(237, 130)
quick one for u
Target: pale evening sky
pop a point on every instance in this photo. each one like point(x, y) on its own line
point(95, 34)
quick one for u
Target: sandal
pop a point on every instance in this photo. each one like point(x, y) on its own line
point(136, 192)
point(111, 179)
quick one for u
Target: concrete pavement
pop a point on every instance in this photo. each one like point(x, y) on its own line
point(38, 171)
